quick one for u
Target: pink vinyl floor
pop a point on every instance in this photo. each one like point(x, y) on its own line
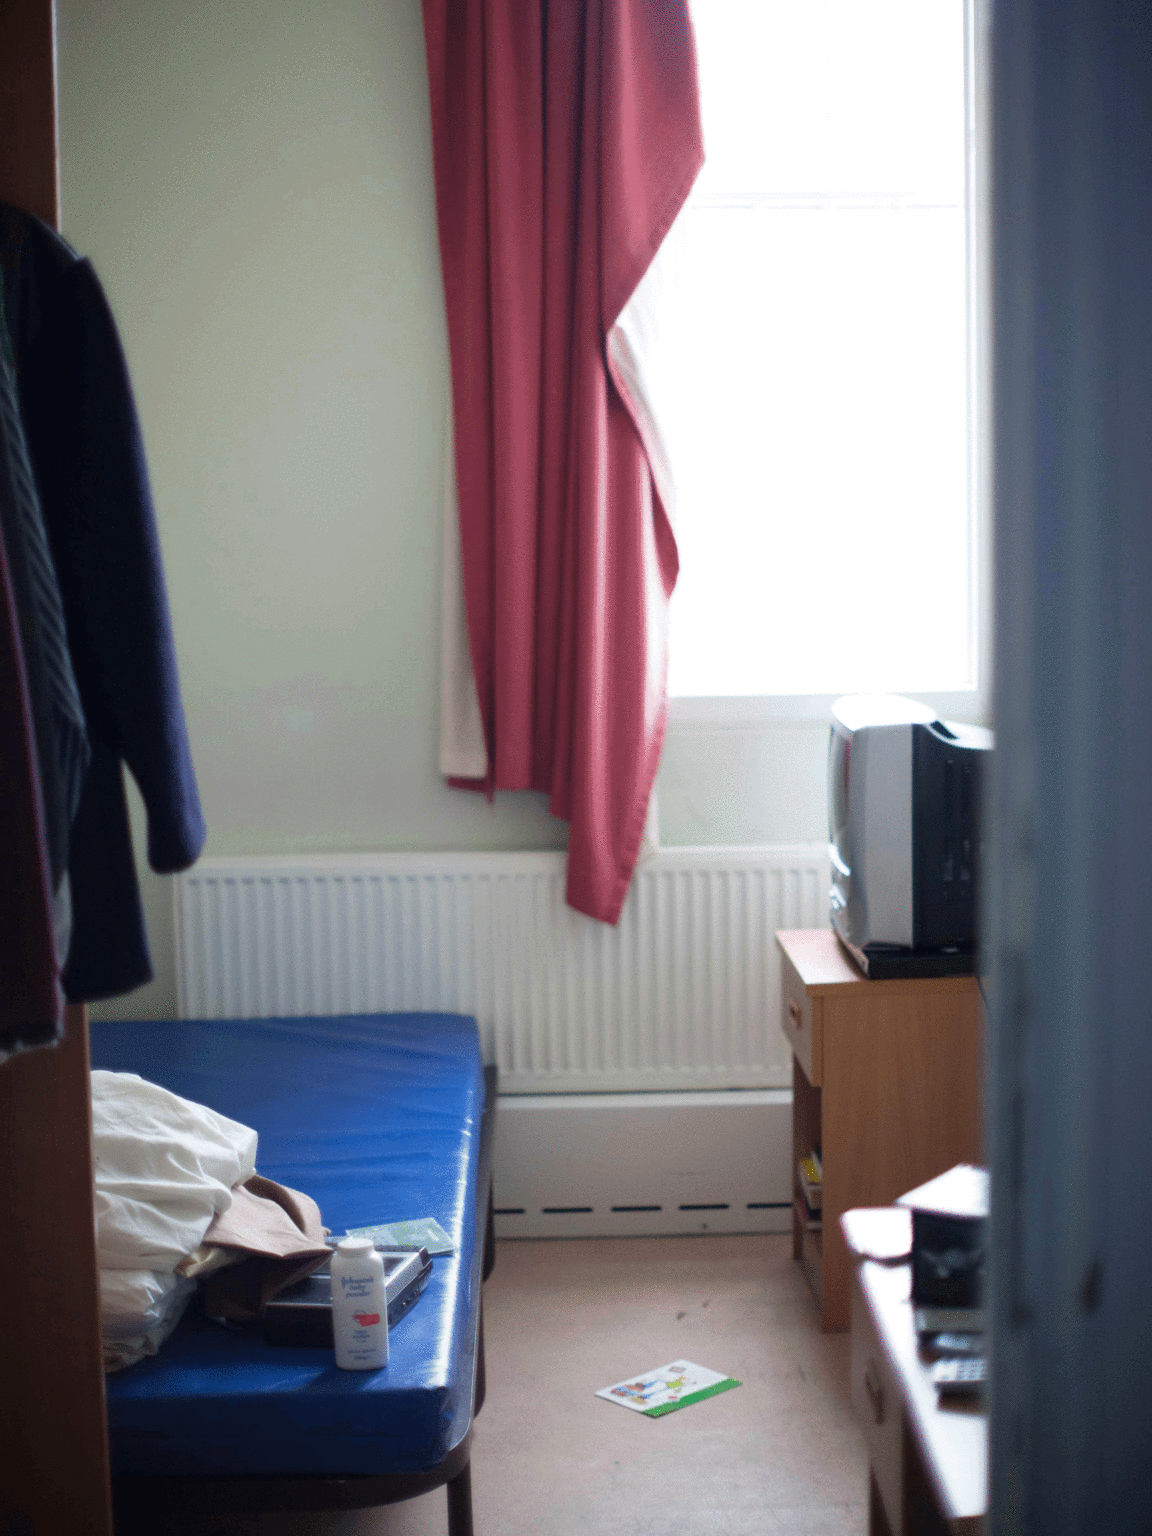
point(780, 1453)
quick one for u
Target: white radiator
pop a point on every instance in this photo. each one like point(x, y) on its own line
point(681, 998)
point(683, 993)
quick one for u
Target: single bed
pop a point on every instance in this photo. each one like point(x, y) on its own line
point(379, 1117)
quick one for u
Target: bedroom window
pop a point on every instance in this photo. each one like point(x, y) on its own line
point(823, 409)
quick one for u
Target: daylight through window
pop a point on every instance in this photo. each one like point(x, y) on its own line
point(820, 412)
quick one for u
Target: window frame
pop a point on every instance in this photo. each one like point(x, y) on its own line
point(972, 703)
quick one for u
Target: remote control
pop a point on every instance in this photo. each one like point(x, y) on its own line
point(967, 1344)
point(960, 1378)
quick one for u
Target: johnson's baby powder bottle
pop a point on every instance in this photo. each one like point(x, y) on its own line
point(359, 1306)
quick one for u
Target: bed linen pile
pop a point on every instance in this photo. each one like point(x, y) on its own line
point(165, 1169)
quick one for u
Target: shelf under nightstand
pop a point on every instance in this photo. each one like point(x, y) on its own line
point(887, 1082)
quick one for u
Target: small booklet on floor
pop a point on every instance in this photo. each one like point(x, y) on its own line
point(667, 1388)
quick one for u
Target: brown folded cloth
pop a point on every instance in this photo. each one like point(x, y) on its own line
point(273, 1236)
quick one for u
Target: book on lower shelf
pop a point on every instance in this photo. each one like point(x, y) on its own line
point(809, 1180)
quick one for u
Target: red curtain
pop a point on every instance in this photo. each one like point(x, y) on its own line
point(566, 137)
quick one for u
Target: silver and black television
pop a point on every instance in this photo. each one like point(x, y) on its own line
point(905, 802)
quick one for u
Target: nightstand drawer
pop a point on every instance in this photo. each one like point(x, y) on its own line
point(877, 1402)
point(801, 1025)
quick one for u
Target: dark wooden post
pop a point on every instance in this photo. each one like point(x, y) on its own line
point(29, 169)
point(53, 1424)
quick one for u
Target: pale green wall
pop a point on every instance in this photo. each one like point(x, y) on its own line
point(252, 180)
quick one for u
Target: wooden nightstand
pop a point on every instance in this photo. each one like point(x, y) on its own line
point(927, 1458)
point(887, 1081)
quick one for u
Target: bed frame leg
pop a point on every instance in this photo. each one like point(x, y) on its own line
point(460, 1502)
point(481, 1371)
point(490, 1236)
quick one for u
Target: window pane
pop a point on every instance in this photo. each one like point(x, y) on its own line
point(832, 96)
point(820, 424)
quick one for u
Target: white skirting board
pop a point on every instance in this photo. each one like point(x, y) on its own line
point(643, 1164)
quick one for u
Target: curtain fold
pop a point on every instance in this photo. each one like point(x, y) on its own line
point(565, 140)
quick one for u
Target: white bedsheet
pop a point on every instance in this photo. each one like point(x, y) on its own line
point(164, 1169)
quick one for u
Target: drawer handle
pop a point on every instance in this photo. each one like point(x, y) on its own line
point(875, 1391)
point(794, 1010)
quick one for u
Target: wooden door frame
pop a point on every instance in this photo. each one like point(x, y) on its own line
point(53, 1420)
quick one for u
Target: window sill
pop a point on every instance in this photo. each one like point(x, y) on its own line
point(689, 715)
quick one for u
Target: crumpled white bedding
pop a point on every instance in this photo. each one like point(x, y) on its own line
point(164, 1169)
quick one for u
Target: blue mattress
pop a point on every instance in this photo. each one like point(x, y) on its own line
point(377, 1117)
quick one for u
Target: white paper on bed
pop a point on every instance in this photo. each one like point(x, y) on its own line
point(164, 1170)
point(139, 1308)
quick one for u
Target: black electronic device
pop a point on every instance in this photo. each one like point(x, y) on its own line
point(931, 1322)
point(302, 1314)
point(956, 1346)
point(960, 1378)
point(947, 1259)
point(905, 797)
point(949, 1241)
